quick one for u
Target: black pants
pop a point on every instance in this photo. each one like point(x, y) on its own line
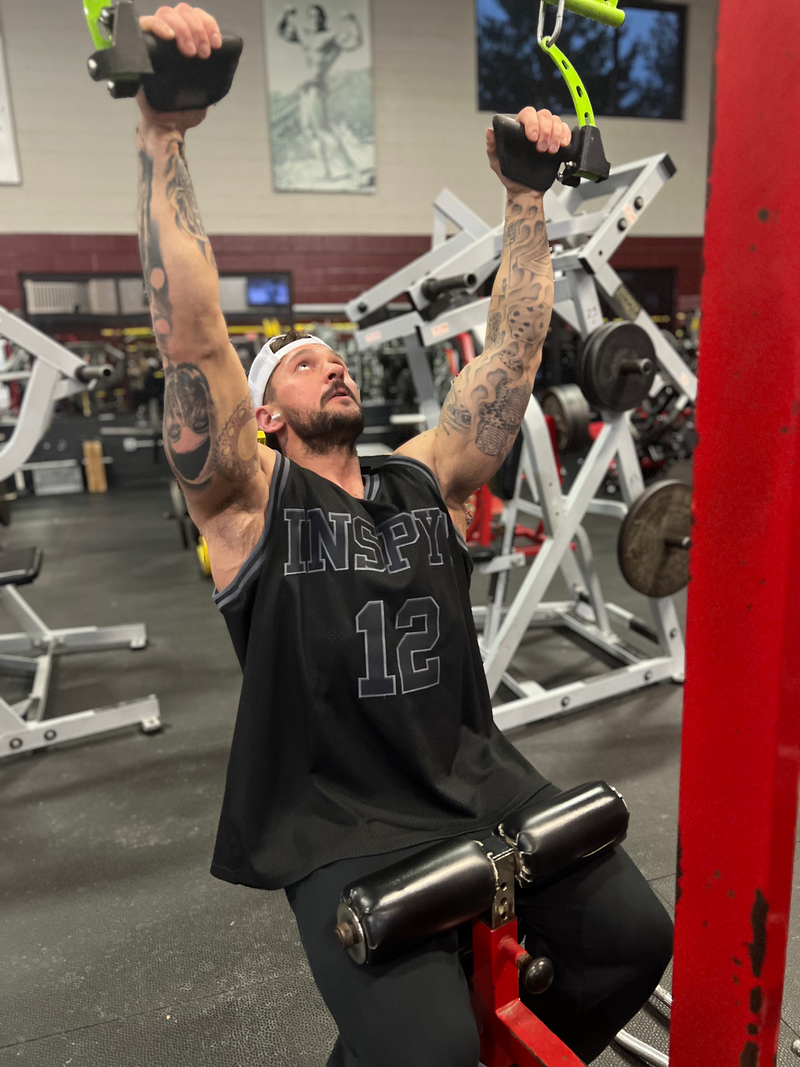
point(606, 932)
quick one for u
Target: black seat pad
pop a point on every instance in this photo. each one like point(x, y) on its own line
point(19, 566)
point(481, 553)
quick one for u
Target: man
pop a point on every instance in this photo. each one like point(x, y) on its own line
point(365, 728)
point(321, 48)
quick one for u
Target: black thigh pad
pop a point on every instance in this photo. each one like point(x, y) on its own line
point(573, 826)
point(417, 898)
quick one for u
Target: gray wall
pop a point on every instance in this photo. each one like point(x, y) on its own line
point(77, 154)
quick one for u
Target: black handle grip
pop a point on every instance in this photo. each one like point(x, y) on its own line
point(187, 83)
point(172, 81)
point(522, 162)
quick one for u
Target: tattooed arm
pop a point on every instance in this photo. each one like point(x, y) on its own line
point(487, 401)
point(210, 433)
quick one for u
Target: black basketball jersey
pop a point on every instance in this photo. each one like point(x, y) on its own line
point(364, 723)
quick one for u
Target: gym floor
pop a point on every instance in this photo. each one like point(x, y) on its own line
point(117, 945)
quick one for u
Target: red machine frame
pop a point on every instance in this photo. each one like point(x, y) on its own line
point(509, 1032)
point(740, 758)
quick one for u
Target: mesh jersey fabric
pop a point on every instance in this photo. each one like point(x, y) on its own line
point(365, 723)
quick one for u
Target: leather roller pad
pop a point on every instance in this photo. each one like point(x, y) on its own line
point(573, 826)
point(418, 898)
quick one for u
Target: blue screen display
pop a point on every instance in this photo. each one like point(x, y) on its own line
point(269, 291)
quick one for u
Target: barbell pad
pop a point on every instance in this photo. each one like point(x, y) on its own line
point(556, 833)
point(420, 897)
point(521, 161)
point(189, 83)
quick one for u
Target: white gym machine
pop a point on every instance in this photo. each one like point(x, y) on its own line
point(55, 373)
point(586, 224)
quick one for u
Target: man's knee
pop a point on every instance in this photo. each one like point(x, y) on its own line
point(450, 1046)
point(659, 939)
point(644, 936)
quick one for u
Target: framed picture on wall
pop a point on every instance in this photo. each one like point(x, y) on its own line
point(9, 160)
point(319, 83)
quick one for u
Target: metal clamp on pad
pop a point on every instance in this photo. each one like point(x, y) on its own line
point(521, 161)
point(131, 59)
point(577, 824)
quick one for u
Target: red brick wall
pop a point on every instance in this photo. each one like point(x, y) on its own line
point(326, 269)
point(683, 254)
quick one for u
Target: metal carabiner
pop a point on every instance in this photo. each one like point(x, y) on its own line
point(540, 37)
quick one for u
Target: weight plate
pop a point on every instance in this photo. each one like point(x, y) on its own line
point(570, 411)
point(653, 546)
point(618, 366)
point(584, 357)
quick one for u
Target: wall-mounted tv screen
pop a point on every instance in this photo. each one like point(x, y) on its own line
point(270, 291)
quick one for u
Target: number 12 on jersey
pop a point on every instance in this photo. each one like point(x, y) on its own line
point(418, 621)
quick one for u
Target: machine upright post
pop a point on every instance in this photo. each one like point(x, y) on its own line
point(510, 1032)
point(741, 732)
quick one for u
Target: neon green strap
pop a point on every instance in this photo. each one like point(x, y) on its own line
point(92, 9)
point(605, 11)
point(577, 90)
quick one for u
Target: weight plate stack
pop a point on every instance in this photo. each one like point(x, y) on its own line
point(654, 540)
point(617, 366)
point(571, 413)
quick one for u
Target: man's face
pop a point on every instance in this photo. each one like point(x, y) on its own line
point(318, 399)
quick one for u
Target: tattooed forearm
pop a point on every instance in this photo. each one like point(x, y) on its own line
point(155, 275)
point(178, 264)
point(487, 402)
point(180, 194)
point(196, 448)
point(523, 290)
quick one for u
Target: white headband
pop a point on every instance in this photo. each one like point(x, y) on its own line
point(265, 363)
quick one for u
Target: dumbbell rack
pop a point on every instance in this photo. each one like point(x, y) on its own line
point(582, 243)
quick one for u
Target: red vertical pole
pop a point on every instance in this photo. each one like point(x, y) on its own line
point(741, 740)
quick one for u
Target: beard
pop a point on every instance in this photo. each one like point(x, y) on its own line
point(323, 432)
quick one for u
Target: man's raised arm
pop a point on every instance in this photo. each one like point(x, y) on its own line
point(210, 432)
point(486, 403)
point(352, 36)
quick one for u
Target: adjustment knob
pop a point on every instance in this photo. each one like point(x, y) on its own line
point(536, 975)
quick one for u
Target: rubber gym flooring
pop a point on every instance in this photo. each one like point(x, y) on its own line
point(116, 945)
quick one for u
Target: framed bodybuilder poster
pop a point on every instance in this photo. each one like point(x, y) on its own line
point(9, 161)
point(319, 81)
